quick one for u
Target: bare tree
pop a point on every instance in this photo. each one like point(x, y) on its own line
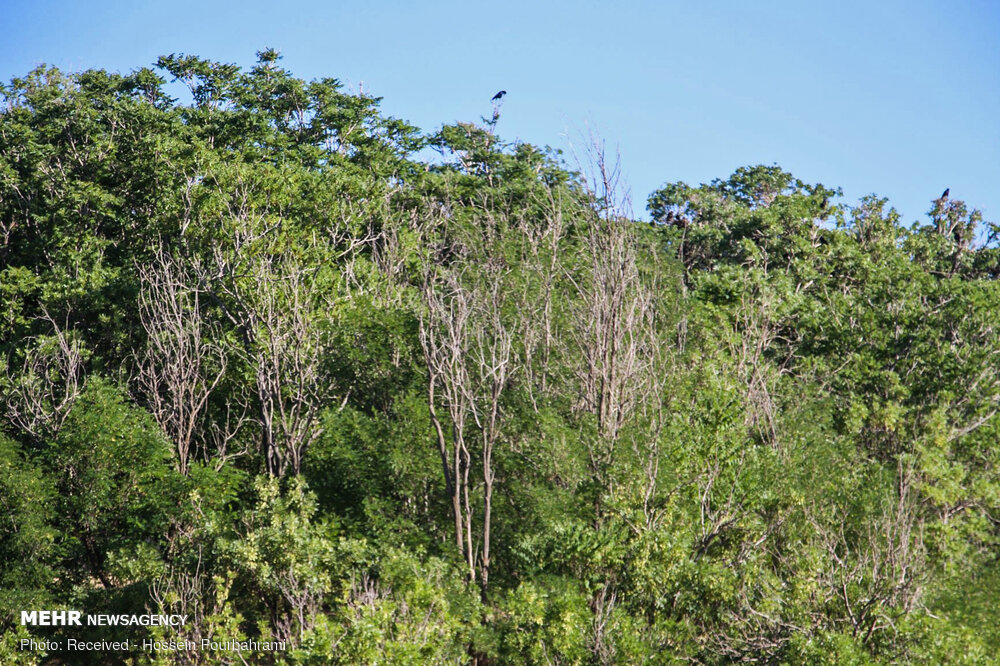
point(39, 395)
point(542, 254)
point(615, 321)
point(444, 337)
point(287, 357)
point(621, 369)
point(493, 359)
point(179, 368)
point(277, 307)
point(468, 343)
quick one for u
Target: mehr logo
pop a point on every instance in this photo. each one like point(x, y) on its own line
point(47, 618)
point(44, 618)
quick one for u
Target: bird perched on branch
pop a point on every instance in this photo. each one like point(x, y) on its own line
point(498, 96)
point(944, 195)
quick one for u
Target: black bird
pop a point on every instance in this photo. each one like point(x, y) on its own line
point(944, 195)
point(498, 96)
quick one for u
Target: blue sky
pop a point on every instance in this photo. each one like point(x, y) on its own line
point(897, 98)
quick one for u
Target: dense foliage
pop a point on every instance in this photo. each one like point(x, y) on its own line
point(301, 372)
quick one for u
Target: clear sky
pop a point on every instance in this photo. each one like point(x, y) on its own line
point(900, 98)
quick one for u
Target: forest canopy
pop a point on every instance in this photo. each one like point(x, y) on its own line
point(302, 372)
